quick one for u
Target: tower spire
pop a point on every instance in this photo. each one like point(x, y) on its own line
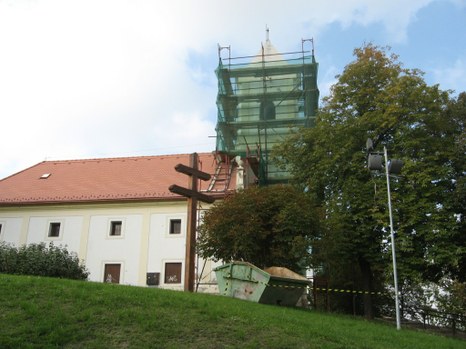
point(267, 32)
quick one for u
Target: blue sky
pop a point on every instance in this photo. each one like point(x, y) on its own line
point(101, 78)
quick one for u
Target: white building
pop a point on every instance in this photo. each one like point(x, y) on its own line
point(117, 214)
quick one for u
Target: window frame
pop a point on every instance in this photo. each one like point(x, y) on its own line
point(168, 226)
point(171, 226)
point(110, 223)
point(51, 226)
point(114, 223)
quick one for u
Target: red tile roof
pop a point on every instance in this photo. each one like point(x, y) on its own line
point(145, 178)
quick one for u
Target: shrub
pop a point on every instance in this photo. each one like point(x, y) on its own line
point(42, 260)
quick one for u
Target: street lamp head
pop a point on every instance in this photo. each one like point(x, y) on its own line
point(369, 145)
point(374, 162)
point(394, 166)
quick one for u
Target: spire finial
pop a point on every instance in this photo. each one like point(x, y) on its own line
point(267, 33)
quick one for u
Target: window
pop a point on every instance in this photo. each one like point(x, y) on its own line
point(267, 110)
point(173, 273)
point(115, 228)
point(0, 228)
point(54, 230)
point(112, 273)
point(175, 226)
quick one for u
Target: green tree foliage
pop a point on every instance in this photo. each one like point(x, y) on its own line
point(455, 187)
point(453, 301)
point(375, 97)
point(41, 260)
point(266, 226)
point(431, 210)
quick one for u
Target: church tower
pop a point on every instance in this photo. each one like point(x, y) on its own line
point(261, 100)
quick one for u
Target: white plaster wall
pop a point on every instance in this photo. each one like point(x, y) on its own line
point(125, 249)
point(164, 247)
point(70, 231)
point(145, 245)
point(11, 230)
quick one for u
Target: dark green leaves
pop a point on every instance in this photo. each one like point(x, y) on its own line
point(266, 226)
point(42, 260)
point(375, 97)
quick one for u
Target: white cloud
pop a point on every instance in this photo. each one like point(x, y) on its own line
point(327, 80)
point(108, 78)
point(185, 127)
point(459, 3)
point(452, 77)
point(394, 15)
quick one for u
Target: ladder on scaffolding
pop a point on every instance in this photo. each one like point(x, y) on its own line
point(222, 176)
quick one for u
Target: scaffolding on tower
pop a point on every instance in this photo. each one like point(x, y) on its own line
point(261, 100)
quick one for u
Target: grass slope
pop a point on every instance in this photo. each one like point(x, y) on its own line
point(44, 312)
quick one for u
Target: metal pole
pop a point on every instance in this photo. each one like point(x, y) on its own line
point(392, 235)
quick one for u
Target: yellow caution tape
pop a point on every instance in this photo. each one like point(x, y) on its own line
point(347, 291)
point(319, 289)
point(336, 290)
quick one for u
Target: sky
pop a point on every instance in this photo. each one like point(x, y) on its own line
point(92, 79)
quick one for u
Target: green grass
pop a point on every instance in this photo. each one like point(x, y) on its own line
point(38, 312)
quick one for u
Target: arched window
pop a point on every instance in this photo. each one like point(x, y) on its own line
point(267, 110)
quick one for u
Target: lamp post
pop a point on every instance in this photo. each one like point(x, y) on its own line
point(395, 165)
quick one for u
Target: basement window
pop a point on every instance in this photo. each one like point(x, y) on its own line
point(115, 228)
point(112, 273)
point(175, 226)
point(172, 273)
point(54, 230)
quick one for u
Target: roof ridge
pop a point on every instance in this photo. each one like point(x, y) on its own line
point(117, 158)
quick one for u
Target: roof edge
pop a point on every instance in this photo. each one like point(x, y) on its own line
point(23, 170)
point(217, 195)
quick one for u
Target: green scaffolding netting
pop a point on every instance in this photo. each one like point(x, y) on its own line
point(261, 100)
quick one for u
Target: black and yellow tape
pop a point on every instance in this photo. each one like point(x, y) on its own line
point(318, 289)
point(287, 286)
point(337, 290)
point(334, 290)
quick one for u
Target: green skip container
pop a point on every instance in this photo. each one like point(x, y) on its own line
point(274, 285)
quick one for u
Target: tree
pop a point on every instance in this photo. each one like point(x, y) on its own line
point(455, 186)
point(266, 226)
point(375, 97)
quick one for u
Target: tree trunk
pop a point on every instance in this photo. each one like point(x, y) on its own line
point(366, 273)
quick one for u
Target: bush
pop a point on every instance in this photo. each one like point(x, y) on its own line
point(42, 260)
